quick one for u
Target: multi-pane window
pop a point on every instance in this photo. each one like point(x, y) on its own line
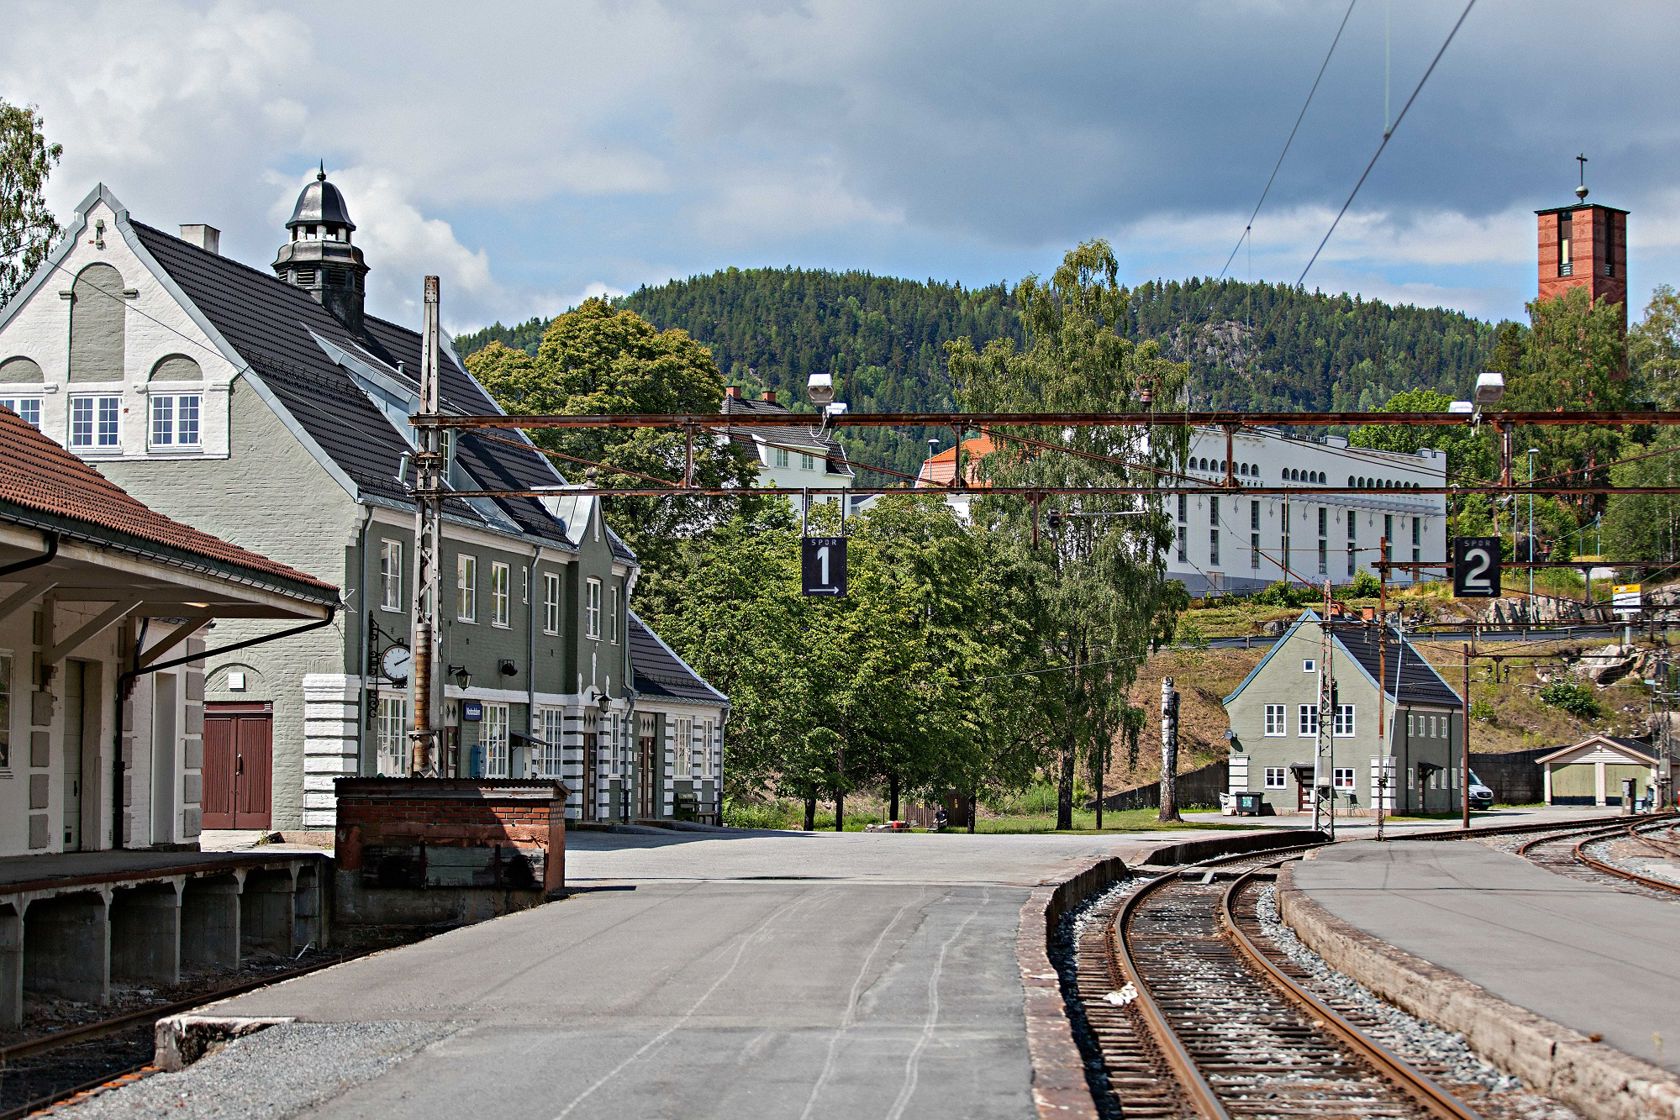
point(552, 732)
point(612, 616)
point(1342, 724)
point(1184, 507)
point(501, 579)
point(1276, 777)
point(806, 462)
point(781, 454)
point(466, 588)
point(5, 711)
point(390, 575)
point(1323, 541)
point(1417, 539)
point(1254, 534)
point(1306, 722)
point(29, 408)
point(1275, 719)
point(682, 748)
point(1342, 777)
point(95, 422)
point(493, 737)
point(592, 609)
point(1388, 529)
point(1183, 542)
point(390, 733)
point(1213, 546)
point(551, 603)
point(174, 419)
point(1284, 560)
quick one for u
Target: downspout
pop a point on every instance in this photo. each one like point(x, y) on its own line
point(531, 650)
point(34, 561)
point(364, 614)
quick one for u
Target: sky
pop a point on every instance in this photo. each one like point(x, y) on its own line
point(535, 154)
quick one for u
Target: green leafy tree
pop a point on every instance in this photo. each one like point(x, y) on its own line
point(1654, 348)
point(1096, 588)
point(1574, 358)
point(1470, 452)
point(27, 227)
point(1646, 526)
point(597, 361)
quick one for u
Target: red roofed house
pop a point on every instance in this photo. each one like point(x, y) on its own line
point(102, 603)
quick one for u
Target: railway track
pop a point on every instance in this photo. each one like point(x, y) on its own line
point(40, 1072)
point(1195, 1013)
point(1571, 853)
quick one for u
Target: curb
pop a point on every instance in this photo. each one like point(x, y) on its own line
point(1059, 1088)
point(1600, 1081)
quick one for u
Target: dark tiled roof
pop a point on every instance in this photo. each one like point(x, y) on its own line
point(39, 476)
point(746, 408)
point(270, 324)
point(1409, 678)
point(661, 674)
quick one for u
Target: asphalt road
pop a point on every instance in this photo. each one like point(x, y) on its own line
point(695, 975)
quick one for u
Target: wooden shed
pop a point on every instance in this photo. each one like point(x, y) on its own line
point(1591, 772)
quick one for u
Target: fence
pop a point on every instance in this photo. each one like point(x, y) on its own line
point(1513, 776)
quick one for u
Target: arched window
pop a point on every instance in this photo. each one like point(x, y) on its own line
point(173, 417)
point(97, 307)
point(21, 386)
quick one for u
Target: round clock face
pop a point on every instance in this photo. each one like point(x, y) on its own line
point(394, 664)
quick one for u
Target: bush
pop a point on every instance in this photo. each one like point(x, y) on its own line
point(1364, 585)
point(1576, 699)
point(1483, 712)
point(1281, 594)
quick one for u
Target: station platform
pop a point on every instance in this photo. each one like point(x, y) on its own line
point(1594, 959)
point(73, 924)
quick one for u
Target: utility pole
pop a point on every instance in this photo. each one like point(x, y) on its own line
point(1324, 758)
point(1464, 739)
point(1169, 752)
point(425, 692)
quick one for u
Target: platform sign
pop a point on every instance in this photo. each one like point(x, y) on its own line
point(1476, 567)
point(472, 711)
point(822, 565)
point(1626, 598)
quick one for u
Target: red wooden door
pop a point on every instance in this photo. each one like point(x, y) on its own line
point(238, 765)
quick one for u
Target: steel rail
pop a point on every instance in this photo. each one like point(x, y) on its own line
point(1411, 1081)
point(1597, 829)
point(1184, 1067)
point(1146, 419)
point(47, 1100)
point(1609, 868)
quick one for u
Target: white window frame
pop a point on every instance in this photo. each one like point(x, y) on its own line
point(173, 436)
point(682, 747)
point(552, 725)
point(390, 575)
point(1306, 721)
point(592, 608)
point(1277, 720)
point(390, 738)
point(1345, 778)
point(1342, 722)
point(1277, 777)
point(551, 602)
point(1309, 665)
point(493, 737)
point(779, 456)
point(96, 419)
point(612, 616)
point(807, 462)
point(17, 401)
point(466, 587)
point(501, 593)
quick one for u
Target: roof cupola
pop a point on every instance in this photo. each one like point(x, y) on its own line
point(319, 258)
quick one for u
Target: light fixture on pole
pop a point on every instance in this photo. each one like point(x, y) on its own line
point(463, 679)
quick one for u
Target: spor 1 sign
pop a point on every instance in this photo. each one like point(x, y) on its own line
point(822, 565)
point(1476, 568)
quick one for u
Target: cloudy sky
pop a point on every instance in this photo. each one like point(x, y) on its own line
point(532, 154)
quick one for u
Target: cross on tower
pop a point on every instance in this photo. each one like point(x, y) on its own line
point(1581, 191)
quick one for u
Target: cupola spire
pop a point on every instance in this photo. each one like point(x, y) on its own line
point(319, 257)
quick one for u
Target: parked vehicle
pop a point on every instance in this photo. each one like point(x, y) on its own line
point(1481, 797)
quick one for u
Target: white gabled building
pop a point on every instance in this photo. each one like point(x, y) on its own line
point(797, 458)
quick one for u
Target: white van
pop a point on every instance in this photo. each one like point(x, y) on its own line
point(1481, 797)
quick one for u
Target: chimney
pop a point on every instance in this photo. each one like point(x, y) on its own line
point(208, 238)
point(768, 396)
point(733, 392)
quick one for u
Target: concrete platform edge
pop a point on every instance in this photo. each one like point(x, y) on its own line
point(181, 1040)
point(1601, 1082)
point(1059, 1088)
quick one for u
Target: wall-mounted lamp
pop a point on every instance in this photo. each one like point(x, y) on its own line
point(506, 667)
point(463, 679)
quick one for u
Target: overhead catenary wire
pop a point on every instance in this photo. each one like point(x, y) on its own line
point(1299, 117)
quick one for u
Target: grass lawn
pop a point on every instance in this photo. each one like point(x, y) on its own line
point(1085, 820)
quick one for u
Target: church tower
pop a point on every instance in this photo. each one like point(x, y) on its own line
point(319, 257)
point(1584, 246)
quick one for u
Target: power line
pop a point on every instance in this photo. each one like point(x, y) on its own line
point(1388, 134)
point(1248, 229)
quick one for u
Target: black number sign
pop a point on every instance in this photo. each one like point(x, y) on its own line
point(822, 565)
point(1476, 567)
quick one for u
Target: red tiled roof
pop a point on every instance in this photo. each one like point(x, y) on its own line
point(38, 474)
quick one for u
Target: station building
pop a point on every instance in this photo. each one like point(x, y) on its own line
point(267, 406)
point(1274, 723)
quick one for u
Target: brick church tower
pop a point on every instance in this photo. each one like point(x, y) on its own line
point(1584, 246)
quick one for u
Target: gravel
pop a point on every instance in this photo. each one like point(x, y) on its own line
point(320, 1060)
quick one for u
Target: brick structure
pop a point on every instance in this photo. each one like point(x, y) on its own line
point(429, 850)
point(1584, 246)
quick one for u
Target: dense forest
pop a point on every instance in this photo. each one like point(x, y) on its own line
point(1264, 346)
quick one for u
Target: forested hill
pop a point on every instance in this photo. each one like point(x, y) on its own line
point(1266, 346)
